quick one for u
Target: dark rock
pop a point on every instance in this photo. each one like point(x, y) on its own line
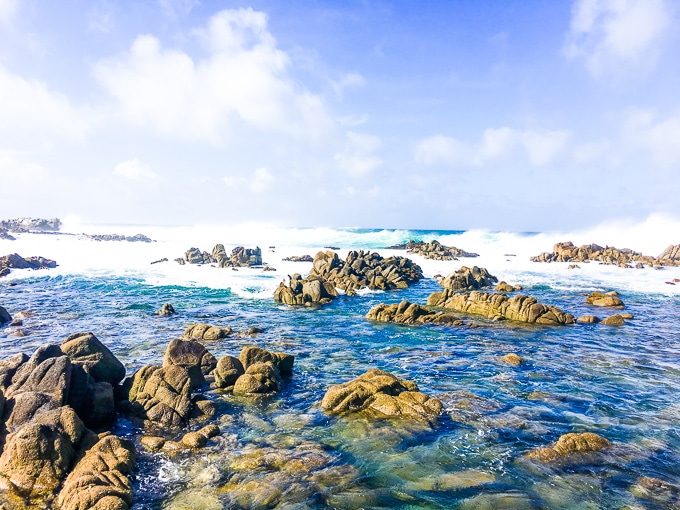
point(166, 310)
point(192, 356)
point(5, 317)
point(16, 261)
point(299, 258)
point(86, 349)
point(251, 355)
point(466, 278)
point(205, 332)
point(436, 251)
point(227, 371)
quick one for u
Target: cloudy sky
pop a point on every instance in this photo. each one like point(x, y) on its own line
point(449, 114)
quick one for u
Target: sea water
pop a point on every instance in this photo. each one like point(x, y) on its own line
point(622, 383)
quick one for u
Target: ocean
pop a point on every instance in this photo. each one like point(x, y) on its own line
point(622, 383)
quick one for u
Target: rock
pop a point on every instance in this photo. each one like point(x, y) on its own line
point(251, 355)
point(570, 444)
point(37, 457)
point(166, 310)
point(100, 479)
point(245, 257)
point(672, 253)
point(613, 320)
point(199, 438)
point(504, 287)
point(152, 443)
point(162, 395)
point(626, 315)
point(610, 299)
point(434, 250)
point(468, 279)
point(8, 367)
point(116, 237)
point(311, 291)
point(16, 323)
point(31, 224)
point(381, 394)
point(260, 379)
point(227, 371)
point(16, 261)
point(520, 307)
point(588, 319)
point(4, 316)
point(299, 258)
point(240, 257)
point(574, 266)
point(567, 252)
point(513, 359)
point(47, 371)
point(192, 356)
point(410, 313)
point(254, 330)
point(194, 256)
point(205, 332)
point(22, 408)
point(164, 259)
point(87, 350)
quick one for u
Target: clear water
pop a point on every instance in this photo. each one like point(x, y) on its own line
point(622, 383)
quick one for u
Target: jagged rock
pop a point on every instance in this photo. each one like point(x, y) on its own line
point(46, 371)
point(251, 355)
point(192, 356)
point(570, 444)
point(22, 408)
point(100, 479)
point(588, 319)
point(87, 350)
point(16, 261)
point(240, 256)
point(205, 332)
point(194, 256)
point(410, 313)
point(567, 252)
point(299, 258)
point(468, 279)
point(260, 379)
point(8, 367)
point(433, 250)
point(245, 257)
point(162, 395)
point(382, 394)
point(29, 224)
point(166, 310)
point(37, 457)
point(496, 306)
point(671, 253)
point(609, 299)
point(310, 291)
point(227, 371)
point(614, 320)
point(5, 317)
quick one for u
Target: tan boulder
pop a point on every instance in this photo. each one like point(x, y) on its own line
point(162, 395)
point(614, 320)
point(609, 299)
point(192, 356)
point(87, 350)
point(227, 371)
point(410, 313)
point(570, 444)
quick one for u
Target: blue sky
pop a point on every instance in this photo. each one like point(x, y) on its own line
point(521, 115)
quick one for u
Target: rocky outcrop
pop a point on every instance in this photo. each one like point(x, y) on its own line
point(410, 313)
point(16, 261)
point(610, 299)
point(205, 332)
point(240, 256)
point(138, 238)
point(496, 306)
point(228, 370)
point(381, 394)
point(193, 357)
point(672, 253)
point(31, 224)
point(363, 269)
point(100, 479)
point(259, 379)
point(433, 250)
point(567, 252)
point(465, 278)
point(299, 258)
point(5, 317)
point(166, 310)
point(570, 444)
point(310, 291)
point(86, 350)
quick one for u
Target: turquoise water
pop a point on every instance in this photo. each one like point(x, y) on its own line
point(622, 383)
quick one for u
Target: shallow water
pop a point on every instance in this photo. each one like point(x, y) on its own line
point(622, 383)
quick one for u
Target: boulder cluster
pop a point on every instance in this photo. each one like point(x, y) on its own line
point(411, 313)
point(49, 402)
point(567, 252)
point(433, 250)
point(465, 278)
point(360, 270)
point(240, 257)
point(22, 225)
point(498, 306)
point(381, 394)
point(138, 238)
point(16, 261)
point(610, 299)
point(299, 258)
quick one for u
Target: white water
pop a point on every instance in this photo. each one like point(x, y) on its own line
point(77, 255)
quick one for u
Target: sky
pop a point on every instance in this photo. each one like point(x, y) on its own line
point(504, 115)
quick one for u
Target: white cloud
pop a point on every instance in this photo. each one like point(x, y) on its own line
point(244, 78)
point(30, 112)
point(8, 9)
point(175, 8)
point(261, 181)
point(540, 147)
point(13, 169)
point(613, 34)
point(134, 170)
point(661, 137)
point(349, 80)
point(358, 157)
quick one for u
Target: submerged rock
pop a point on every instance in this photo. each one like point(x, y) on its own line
point(383, 395)
point(614, 320)
point(410, 313)
point(570, 444)
point(228, 370)
point(496, 306)
point(468, 279)
point(166, 310)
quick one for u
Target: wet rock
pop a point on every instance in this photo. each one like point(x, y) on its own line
point(434, 250)
point(588, 319)
point(192, 356)
point(85, 349)
point(260, 379)
point(166, 310)
point(626, 316)
point(567, 252)
point(614, 320)
point(309, 292)
point(410, 313)
point(100, 479)
point(570, 444)
point(8, 367)
point(5, 317)
point(299, 258)
point(200, 438)
point(152, 443)
point(610, 299)
point(205, 332)
point(227, 371)
point(513, 359)
point(254, 330)
point(382, 394)
point(16, 261)
point(468, 279)
point(203, 408)
point(252, 354)
point(240, 256)
point(499, 306)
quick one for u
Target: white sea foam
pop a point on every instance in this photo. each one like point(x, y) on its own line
point(504, 254)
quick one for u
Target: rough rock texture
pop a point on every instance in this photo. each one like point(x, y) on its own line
point(192, 356)
point(205, 332)
point(513, 359)
point(240, 256)
point(162, 395)
point(410, 313)
point(309, 292)
point(609, 299)
point(382, 394)
point(31, 224)
point(570, 444)
point(466, 278)
point(567, 252)
point(8, 367)
point(46, 371)
point(365, 269)
point(588, 319)
point(436, 251)
point(4, 316)
point(614, 320)
point(496, 306)
point(671, 253)
point(251, 355)
point(299, 258)
point(166, 310)
point(99, 480)
point(16, 261)
point(227, 371)
point(259, 379)
point(87, 350)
